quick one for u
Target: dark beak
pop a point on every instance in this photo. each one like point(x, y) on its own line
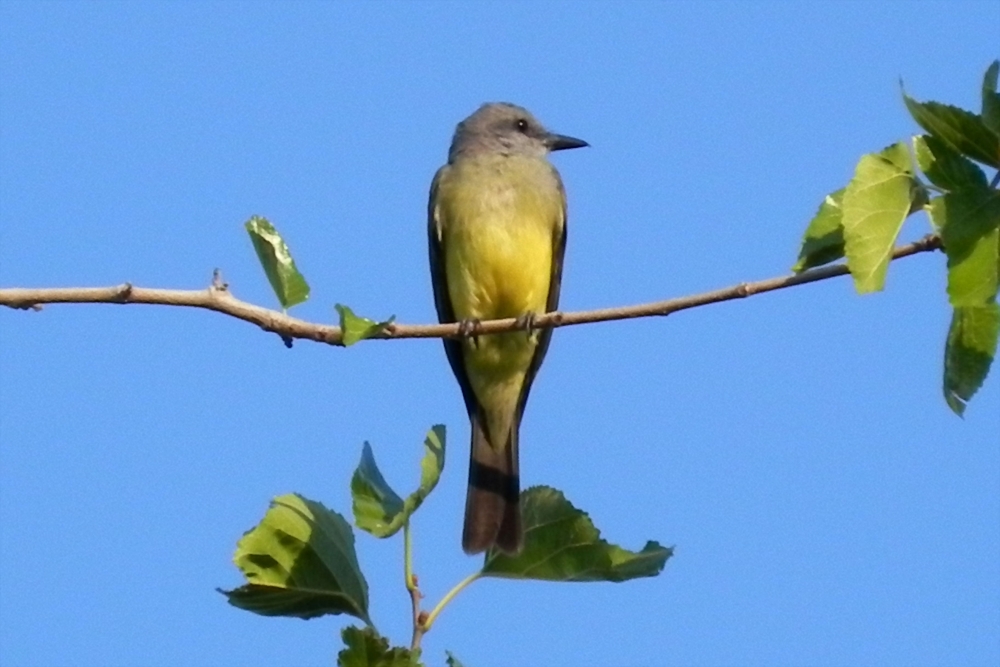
point(560, 142)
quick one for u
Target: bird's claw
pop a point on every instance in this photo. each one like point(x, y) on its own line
point(527, 322)
point(469, 328)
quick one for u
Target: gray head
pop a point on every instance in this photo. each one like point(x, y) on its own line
point(499, 127)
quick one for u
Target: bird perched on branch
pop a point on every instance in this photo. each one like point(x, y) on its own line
point(497, 233)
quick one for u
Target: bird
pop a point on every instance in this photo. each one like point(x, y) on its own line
point(497, 237)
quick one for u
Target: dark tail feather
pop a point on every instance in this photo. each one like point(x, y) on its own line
point(492, 513)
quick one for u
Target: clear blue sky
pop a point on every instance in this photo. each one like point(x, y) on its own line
point(825, 505)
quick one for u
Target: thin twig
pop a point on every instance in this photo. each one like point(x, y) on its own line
point(218, 298)
point(429, 619)
point(413, 588)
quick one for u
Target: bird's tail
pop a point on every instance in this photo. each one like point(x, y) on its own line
point(492, 512)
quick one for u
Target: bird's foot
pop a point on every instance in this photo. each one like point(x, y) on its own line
point(527, 322)
point(469, 329)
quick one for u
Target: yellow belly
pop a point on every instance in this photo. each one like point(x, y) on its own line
point(499, 268)
point(500, 272)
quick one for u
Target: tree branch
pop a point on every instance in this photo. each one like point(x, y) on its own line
point(218, 298)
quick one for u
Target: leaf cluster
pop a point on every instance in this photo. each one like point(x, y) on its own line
point(300, 562)
point(861, 222)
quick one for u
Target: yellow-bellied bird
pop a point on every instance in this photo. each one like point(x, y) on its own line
point(497, 231)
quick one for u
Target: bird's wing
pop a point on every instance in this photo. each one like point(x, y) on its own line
point(442, 299)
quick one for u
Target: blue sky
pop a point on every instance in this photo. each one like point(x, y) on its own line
point(825, 505)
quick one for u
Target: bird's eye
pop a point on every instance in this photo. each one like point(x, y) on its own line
point(521, 125)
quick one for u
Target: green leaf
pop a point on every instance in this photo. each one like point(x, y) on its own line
point(971, 346)
point(562, 544)
point(356, 328)
point(367, 648)
point(286, 281)
point(876, 202)
point(945, 167)
point(452, 661)
point(991, 101)
point(376, 505)
point(824, 238)
point(300, 561)
point(970, 232)
point(962, 130)
point(377, 508)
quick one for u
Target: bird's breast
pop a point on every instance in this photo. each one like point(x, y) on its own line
point(500, 222)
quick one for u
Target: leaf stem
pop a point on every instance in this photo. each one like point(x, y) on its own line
point(408, 557)
point(429, 621)
point(412, 588)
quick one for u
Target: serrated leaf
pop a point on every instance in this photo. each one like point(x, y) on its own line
point(355, 328)
point(366, 648)
point(286, 281)
point(377, 508)
point(824, 238)
point(562, 544)
point(970, 232)
point(945, 167)
point(991, 101)
point(452, 661)
point(962, 130)
point(876, 202)
point(299, 561)
point(969, 352)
